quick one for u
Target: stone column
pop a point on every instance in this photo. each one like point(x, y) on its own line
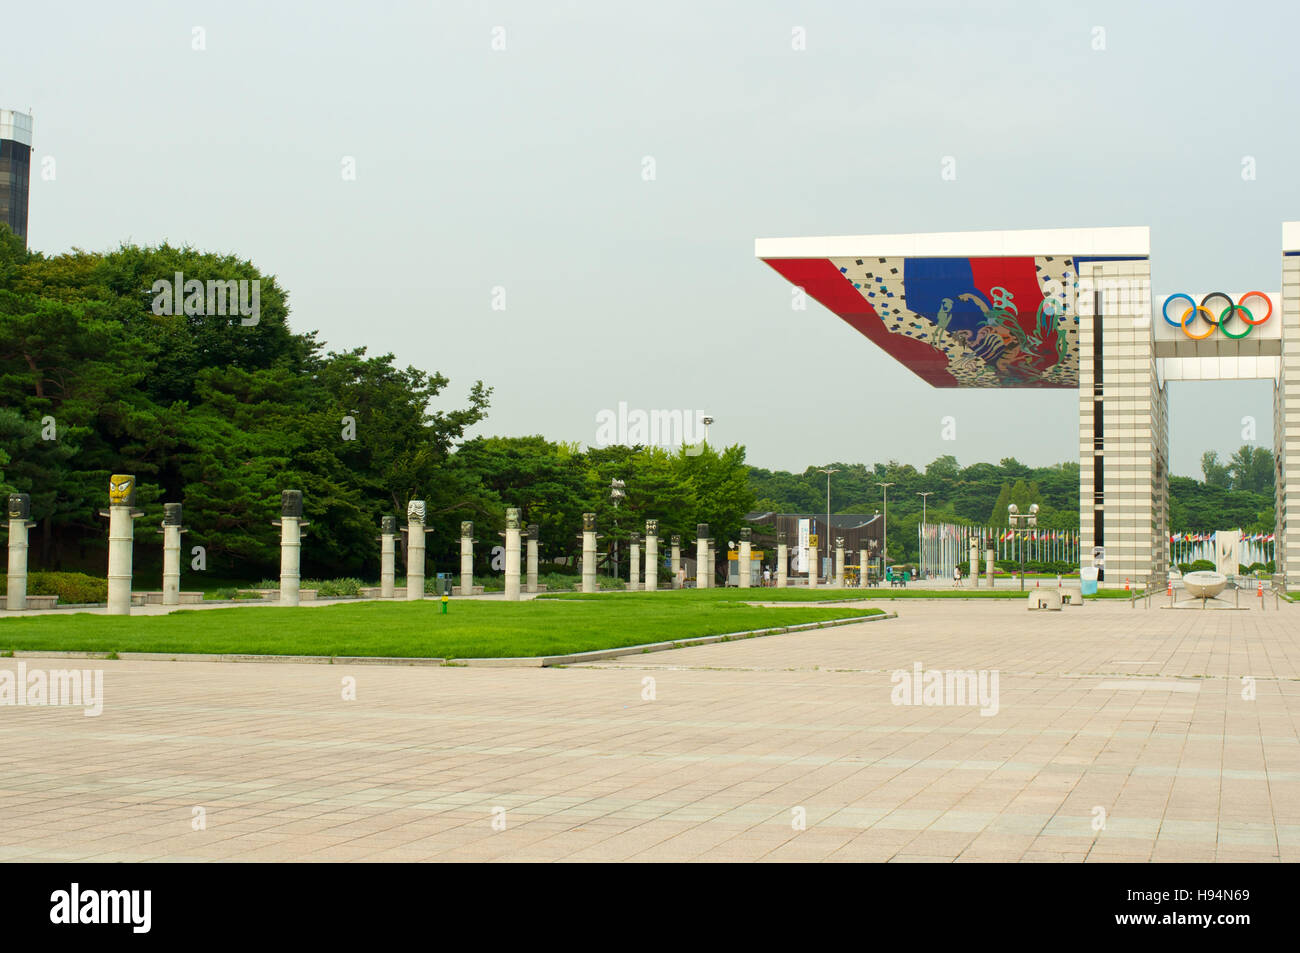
point(291, 524)
point(814, 563)
point(388, 557)
point(703, 575)
point(533, 531)
point(746, 539)
point(512, 554)
point(651, 555)
point(20, 508)
point(466, 558)
point(121, 537)
point(415, 550)
point(974, 567)
point(171, 530)
point(988, 566)
point(782, 561)
point(713, 563)
point(589, 552)
point(675, 560)
point(634, 562)
point(838, 581)
point(863, 563)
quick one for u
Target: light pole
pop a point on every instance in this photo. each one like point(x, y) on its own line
point(1030, 520)
point(828, 509)
point(884, 528)
point(925, 498)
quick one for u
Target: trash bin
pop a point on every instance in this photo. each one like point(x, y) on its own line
point(1088, 580)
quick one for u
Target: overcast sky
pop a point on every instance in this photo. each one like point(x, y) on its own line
point(524, 169)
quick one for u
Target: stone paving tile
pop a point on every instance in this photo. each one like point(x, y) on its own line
point(1128, 716)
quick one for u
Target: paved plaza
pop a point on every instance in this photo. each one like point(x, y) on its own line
point(1120, 734)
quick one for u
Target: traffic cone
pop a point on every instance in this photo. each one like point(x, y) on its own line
point(1126, 583)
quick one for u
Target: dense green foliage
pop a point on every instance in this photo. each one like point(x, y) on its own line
point(222, 416)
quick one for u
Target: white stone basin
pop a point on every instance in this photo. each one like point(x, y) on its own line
point(1204, 584)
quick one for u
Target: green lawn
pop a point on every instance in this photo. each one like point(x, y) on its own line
point(471, 629)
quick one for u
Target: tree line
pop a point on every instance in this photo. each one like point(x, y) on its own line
point(221, 414)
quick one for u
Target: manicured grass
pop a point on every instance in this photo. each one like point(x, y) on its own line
point(471, 629)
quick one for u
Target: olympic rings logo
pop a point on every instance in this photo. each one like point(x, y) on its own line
point(1221, 322)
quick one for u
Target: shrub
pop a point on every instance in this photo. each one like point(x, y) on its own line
point(333, 588)
point(72, 588)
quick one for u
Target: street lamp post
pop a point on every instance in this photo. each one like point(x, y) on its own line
point(925, 498)
point(1019, 519)
point(884, 528)
point(828, 509)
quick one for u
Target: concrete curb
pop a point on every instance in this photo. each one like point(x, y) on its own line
point(541, 661)
point(548, 661)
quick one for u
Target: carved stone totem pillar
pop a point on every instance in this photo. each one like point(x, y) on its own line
point(634, 562)
point(121, 537)
point(415, 549)
point(746, 538)
point(20, 508)
point(782, 561)
point(675, 560)
point(171, 532)
point(703, 567)
point(651, 555)
point(533, 532)
point(387, 557)
point(291, 524)
point(466, 558)
point(588, 552)
point(512, 554)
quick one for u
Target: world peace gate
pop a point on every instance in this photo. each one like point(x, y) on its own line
point(1073, 308)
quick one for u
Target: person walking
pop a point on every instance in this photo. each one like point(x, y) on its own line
point(956, 576)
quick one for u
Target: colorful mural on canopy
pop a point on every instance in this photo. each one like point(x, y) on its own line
point(958, 322)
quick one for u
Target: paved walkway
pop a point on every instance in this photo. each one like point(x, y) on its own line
point(1131, 717)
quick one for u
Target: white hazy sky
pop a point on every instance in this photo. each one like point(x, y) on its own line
point(522, 168)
